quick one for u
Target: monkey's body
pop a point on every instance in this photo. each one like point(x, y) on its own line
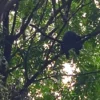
point(71, 41)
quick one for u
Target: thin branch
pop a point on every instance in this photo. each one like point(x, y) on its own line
point(44, 34)
point(78, 8)
point(24, 26)
point(43, 13)
point(14, 20)
point(72, 75)
point(54, 15)
point(26, 59)
point(14, 68)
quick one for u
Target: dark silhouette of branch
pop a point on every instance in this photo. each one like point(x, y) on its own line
point(14, 20)
point(5, 6)
point(44, 34)
point(43, 12)
point(54, 5)
point(50, 20)
point(14, 68)
point(25, 65)
point(24, 26)
point(68, 75)
point(67, 6)
point(90, 35)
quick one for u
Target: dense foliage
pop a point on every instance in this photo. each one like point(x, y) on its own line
point(32, 66)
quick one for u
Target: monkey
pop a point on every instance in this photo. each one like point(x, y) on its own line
point(73, 41)
point(70, 40)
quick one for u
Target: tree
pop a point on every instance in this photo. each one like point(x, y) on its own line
point(5, 6)
point(31, 60)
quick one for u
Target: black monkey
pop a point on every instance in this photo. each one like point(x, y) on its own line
point(71, 41)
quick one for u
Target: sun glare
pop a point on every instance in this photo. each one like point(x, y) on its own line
point(97, 3)
point(69, 69)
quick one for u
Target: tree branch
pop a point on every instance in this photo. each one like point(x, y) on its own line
point(5, 6)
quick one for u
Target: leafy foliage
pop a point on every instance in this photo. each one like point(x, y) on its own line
point(29, 33)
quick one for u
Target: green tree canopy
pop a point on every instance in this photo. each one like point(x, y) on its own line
point(31, 62)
